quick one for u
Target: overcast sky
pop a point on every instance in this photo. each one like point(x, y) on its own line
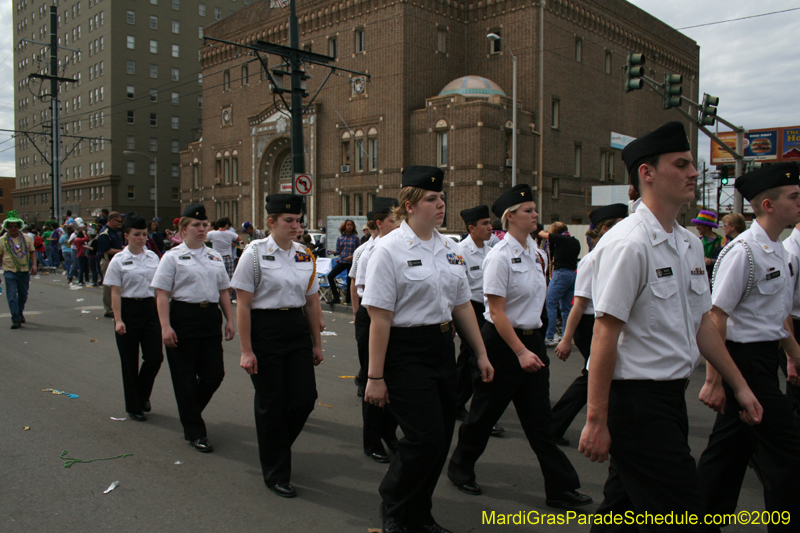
point(749, 64)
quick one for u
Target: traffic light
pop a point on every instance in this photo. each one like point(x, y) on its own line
point(672, 90)
point(708, 111)
point(723, 174)
point(634, 72)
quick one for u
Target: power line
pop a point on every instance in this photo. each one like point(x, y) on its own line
point(740, 18)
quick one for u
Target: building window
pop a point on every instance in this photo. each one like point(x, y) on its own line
point(360, 151)
point(154, 95)
point(245, 75)
point(201, 9)
point(218, 168)
point(554, 118)
point(175, 98)
point(153, 46)
point(130, 144)
point(131, 67)
point(346, 151)
point(176, 74)
point(607, 165)
point(176, 123)
point(235, 166)
point(176, 26)
point(130, 42)
point(217, 13)
point(226, 80)
point(608, 62)
point(441, 149)
point(176, 4)
point(577, 165)
point(346, 205)
point(226, 172)
point(131, 167)
point(130, 17)
point(175, 194)
point(360, 44)
point(152, 193)
point(131, 117)
point(153, 22)
point(196, 175)
point(131, 91)
point(154, 119)
point(175, 146)
point(358, 207)
point(495, 45)
point(131, 192)
point(372, 148)
point(554, 194)
point(176, 50)
point(332, 47)
point(579, 50)
point(441, 41)
point(153, 71)
point(153, 144)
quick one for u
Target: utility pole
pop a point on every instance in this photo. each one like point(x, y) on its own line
point(298, 92)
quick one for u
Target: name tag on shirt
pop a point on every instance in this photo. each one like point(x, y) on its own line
point(268, 257)
point(126, 263)
point(663, 272)
point(185, 257)
point(474, 268)
point(415, 263)
point(516, 260)
point(773, 275)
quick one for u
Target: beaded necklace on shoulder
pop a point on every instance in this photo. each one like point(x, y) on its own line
point(19, 252)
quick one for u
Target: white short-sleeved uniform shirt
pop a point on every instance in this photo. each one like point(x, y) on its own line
point(222, 240)
point(473, 259)
point(418, 284)
point(360, 262)
point(656, 283)
point(516, 274)
point(192, 275)
point(760, 316)
point(792, 245)
point(287, 276)
point(132, 273)
point(583, 282)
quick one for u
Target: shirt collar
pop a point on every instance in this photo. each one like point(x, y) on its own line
point(472, 247)
point(516, 247)
point(762, 238)
point(411, 239)
point(655, 231)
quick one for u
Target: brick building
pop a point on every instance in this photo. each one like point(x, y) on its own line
point(439, 94)
point(7, 185)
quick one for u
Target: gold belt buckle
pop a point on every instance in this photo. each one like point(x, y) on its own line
point(203, 305)
point(283, 309)
point(444, 327)
point(528, 331)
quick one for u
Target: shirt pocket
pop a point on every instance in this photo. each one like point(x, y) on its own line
point(665, 308)
point(475, 273)
point(770, 302)
point(521, 281)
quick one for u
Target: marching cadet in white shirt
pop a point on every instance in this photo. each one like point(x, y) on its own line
point(651, 299)
point(754, 287)
point(379, 422)
point(355, 298)
point(195, 279)
point(133, 302)
point(279, 317)
point(514, 288)
point(792, 245)
point(415, 286)
point(580, 325)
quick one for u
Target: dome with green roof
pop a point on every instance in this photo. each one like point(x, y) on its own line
point(472, 86)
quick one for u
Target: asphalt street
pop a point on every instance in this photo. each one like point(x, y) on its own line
point(165, 485)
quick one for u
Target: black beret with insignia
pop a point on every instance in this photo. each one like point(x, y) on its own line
point(383, 204)
point(671, 137)
point(196, 211)
point(474, 214)
point(764, 178)
point(515, 195)
point(134, 221)
point(284, 203)
point(608, 211)
point(423, 177)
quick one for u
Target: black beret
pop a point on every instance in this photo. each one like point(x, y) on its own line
point(608, 211)
point(196, 211)
point(134, 221)
point(284, 203)
point(515, 195)
point(475, 214)
point(422, 177)
point(383, 204)
point(671, 137)
point(764, 178)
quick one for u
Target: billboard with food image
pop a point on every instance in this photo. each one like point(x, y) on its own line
point(791, 144)
point(776, 144)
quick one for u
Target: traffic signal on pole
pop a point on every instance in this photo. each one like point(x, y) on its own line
point(672, 90)
point(708, 111)
point(634, 72)
point(723, 174)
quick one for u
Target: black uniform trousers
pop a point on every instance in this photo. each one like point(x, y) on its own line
point(338, 269)
point(774, 443)
point(792, 391)
point(463, 363)
point(142, 328)
point(379, 422)
point(574, 398)
point(651, 468)
point(196, 364)
point(530, 392)
point(285, 386)
point(420, 375)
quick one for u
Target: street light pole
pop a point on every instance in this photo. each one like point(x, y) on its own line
point(495, 37)
point(154, 159)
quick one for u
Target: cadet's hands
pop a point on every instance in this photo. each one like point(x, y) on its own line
point(563, 349)
point(486, 368)
point(753, 412)
point(529, 361)
point(169, 337)
point(376, 392)
point(595, 441)
point(119, 327)
point(792, 373)
point(316, 354)
point(249, 363)
point(230, 331)
point(713, 395)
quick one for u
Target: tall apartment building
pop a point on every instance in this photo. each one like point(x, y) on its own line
point(139, 89)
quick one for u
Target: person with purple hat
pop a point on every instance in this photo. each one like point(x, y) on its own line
point(712, 243)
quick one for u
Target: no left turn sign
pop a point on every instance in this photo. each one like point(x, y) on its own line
point(302, 184)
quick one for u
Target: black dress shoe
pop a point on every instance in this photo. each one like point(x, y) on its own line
point(139, 417)
point(202, 445)
point(428, 528)
point(392, 446)
point(15, 325)
point(22, 319)
point(470, 487)
point(284, 490)
point(497, 430)
point(146, 406)
point(569, 498)
point(378, 457)
point(561, 441)
point(391, 524)
point(461, 413)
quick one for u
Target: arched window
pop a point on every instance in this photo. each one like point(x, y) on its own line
point(285, 172)
point(226, 165)
point(235, 166)
point(360, 151)
point(346, 151)
point(372, 148)
point(218, 168)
